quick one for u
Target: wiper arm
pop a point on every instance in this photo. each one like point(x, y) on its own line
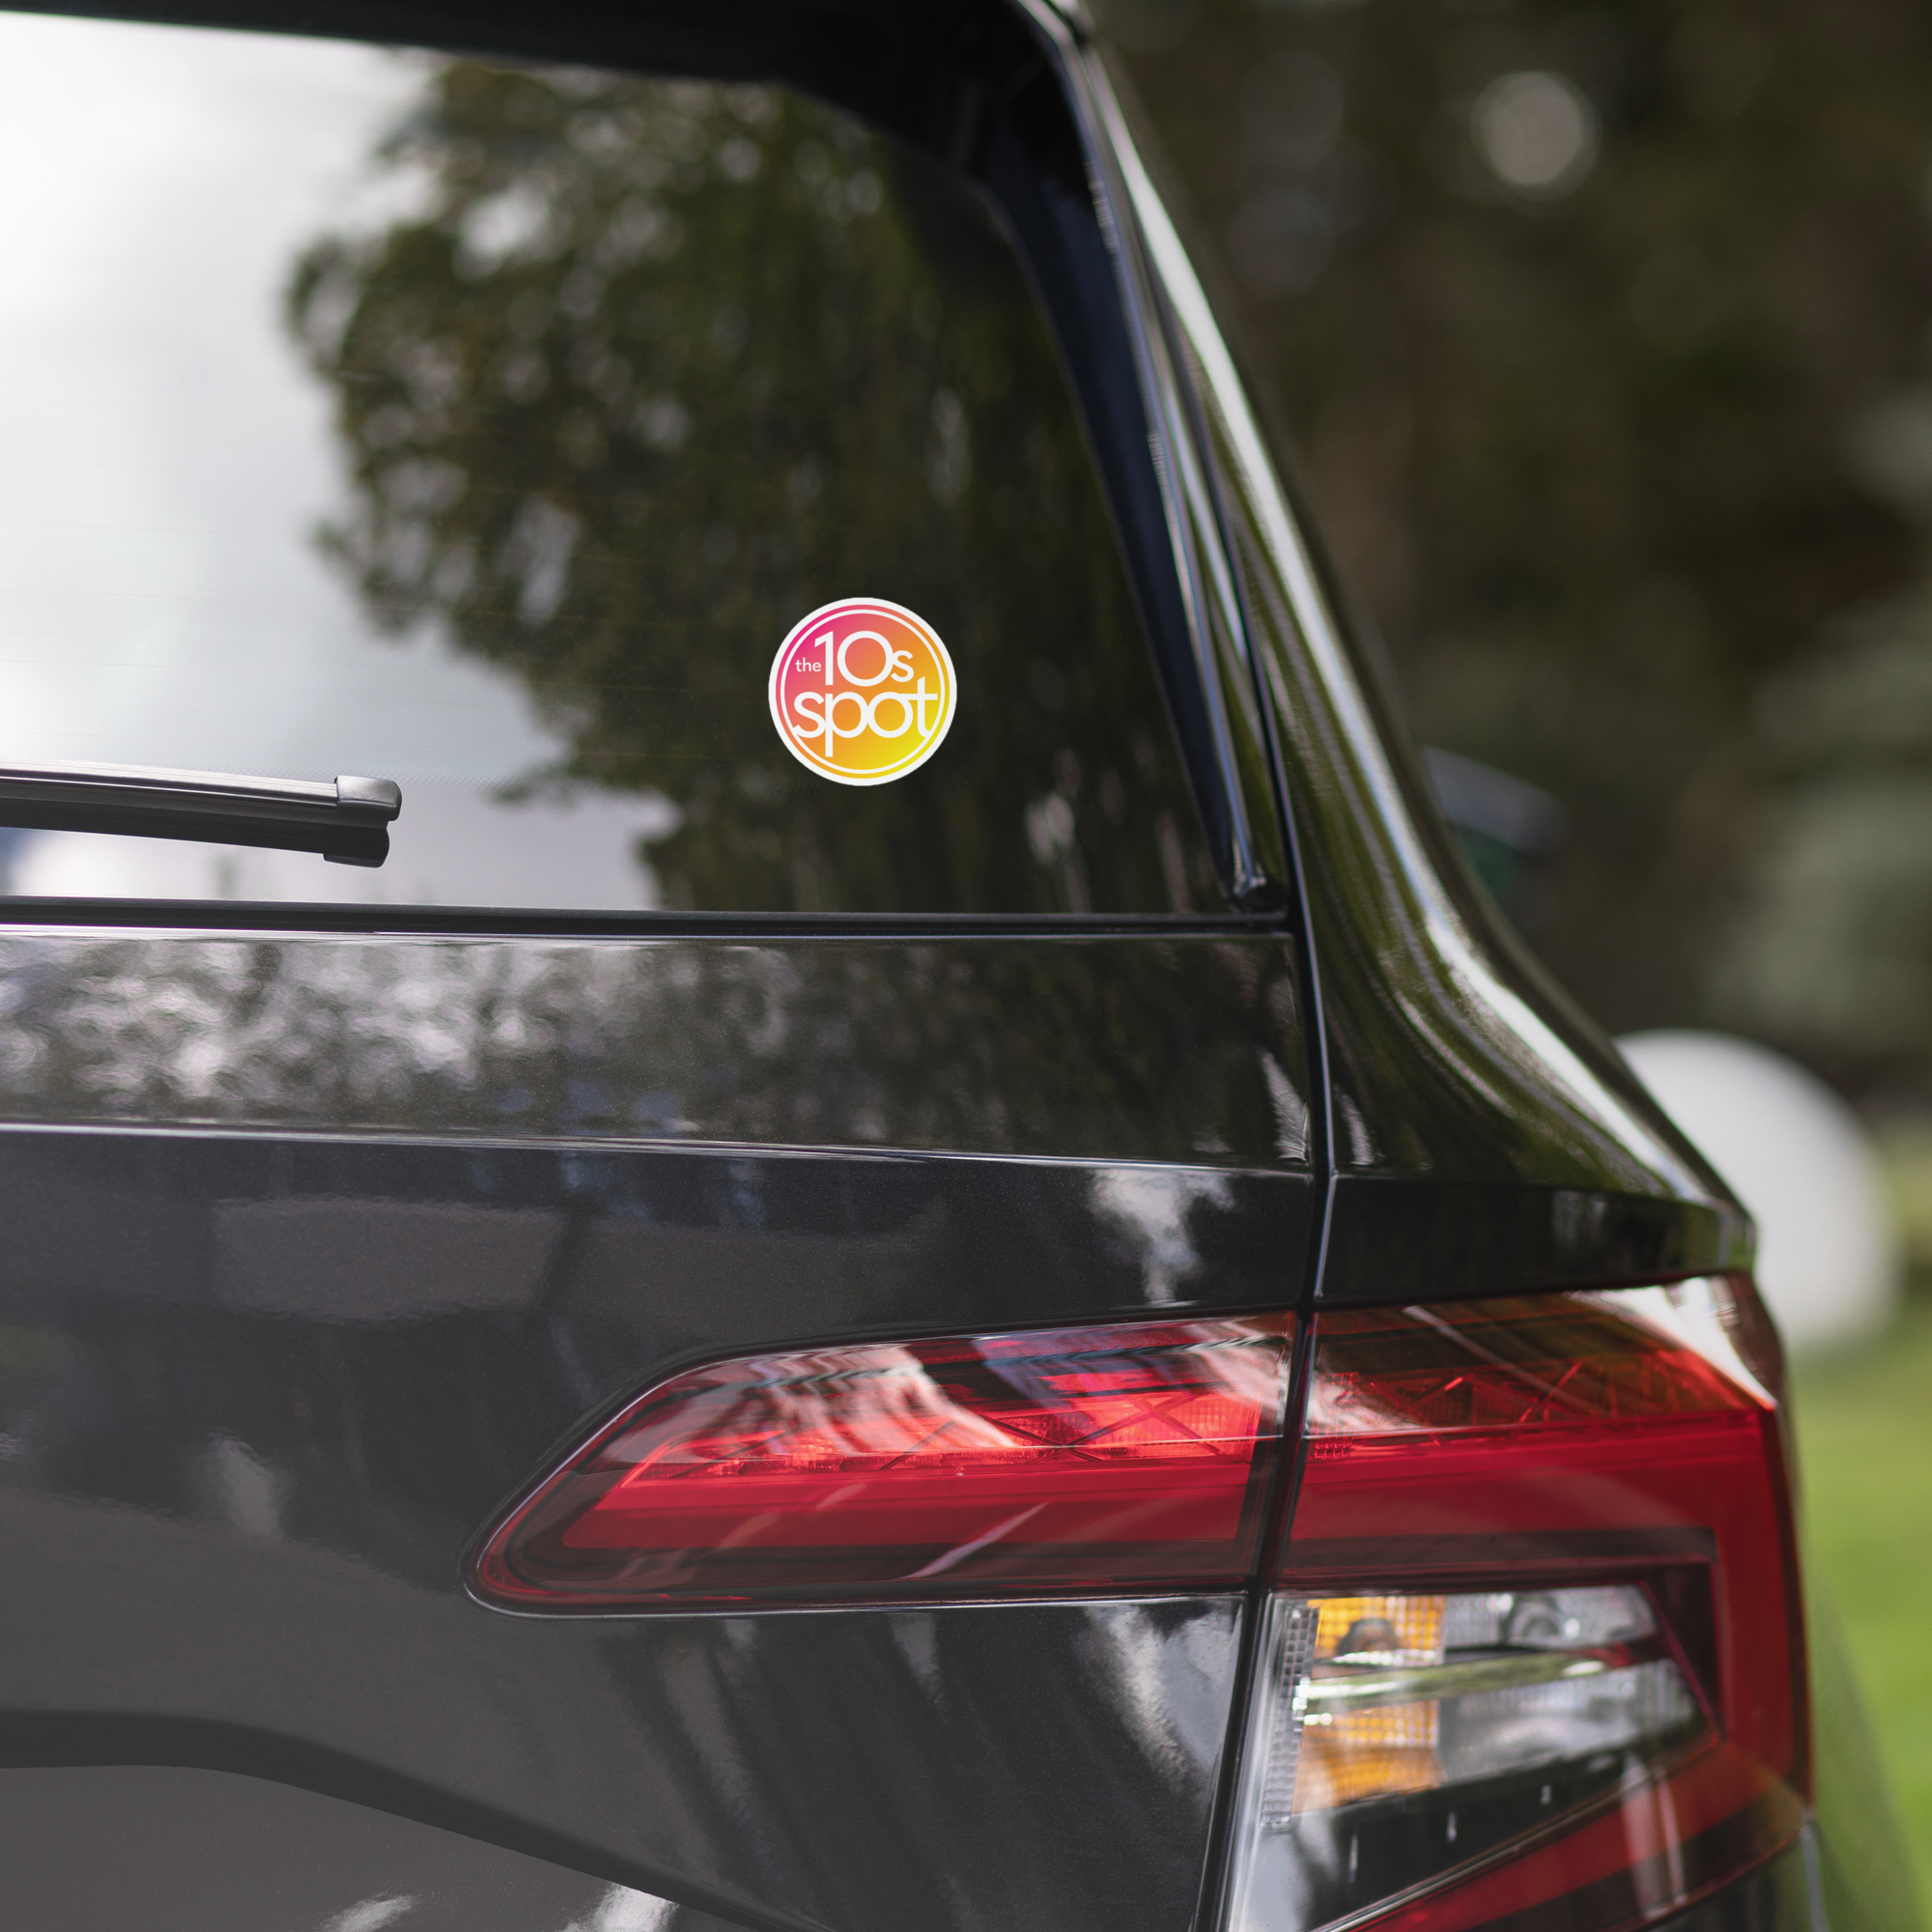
point(347, 821)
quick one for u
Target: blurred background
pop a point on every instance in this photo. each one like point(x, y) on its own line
point(1604, 337)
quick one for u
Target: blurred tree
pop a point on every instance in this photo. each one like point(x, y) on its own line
point(1581, 319)
point(1832, 955)
point(648, 371)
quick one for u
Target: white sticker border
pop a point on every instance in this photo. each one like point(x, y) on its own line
point(854, 605)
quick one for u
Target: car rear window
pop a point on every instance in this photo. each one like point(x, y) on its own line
point(489, 428)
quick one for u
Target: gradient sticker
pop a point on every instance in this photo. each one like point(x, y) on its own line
point(863, 691)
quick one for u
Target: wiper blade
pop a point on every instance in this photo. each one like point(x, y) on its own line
point(347, 821)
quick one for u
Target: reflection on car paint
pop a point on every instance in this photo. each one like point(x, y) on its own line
point(1182, 1048)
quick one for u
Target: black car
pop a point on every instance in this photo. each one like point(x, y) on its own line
point(871, 1235)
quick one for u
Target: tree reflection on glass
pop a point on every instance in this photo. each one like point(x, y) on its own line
point(649, 370)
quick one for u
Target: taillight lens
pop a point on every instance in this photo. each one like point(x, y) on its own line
point(1536, 1645)
point(1082, 1461)
point(1530, 1647)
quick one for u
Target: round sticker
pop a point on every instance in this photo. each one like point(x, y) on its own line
point(863, 691)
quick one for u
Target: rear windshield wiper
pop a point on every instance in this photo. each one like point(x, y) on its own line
point(347, 821)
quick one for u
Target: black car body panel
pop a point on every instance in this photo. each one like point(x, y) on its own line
point(207, 1851)
point(275, 1380)
point(1165, 1044)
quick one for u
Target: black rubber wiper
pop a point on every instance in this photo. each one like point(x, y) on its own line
point(347, 821)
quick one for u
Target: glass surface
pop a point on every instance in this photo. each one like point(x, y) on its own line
point(487, 429)
point(1086, 1459)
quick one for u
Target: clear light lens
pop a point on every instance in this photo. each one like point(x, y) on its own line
point(1615, 1722)
point(1398, 1737)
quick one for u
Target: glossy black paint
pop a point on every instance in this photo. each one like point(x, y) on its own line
point(1397, 1239)
point(1483, 1134)
point(861, 1768)
point(1162, 1043)
point(207, 1851)
point(1168, 1046)
point(397, 1335)
point(260, 1394)
point(268, 1358)
point(204, 1851)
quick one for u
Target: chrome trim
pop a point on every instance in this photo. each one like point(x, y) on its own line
point(1341, 1685)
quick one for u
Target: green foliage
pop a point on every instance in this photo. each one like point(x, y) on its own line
point(1601, 452)
point(1833, 953)
point(647, 372)
point(1905, 1153)
point(1865, 1441)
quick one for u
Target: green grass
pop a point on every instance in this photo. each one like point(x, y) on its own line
point(1865, 1451)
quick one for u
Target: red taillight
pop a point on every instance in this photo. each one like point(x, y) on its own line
point(1484, 1478)
point(1082, 1461)
point(1529, 1649)
point(1590, 1433)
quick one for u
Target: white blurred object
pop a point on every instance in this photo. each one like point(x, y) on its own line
point(1801, 1161)
point(1538, 131)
